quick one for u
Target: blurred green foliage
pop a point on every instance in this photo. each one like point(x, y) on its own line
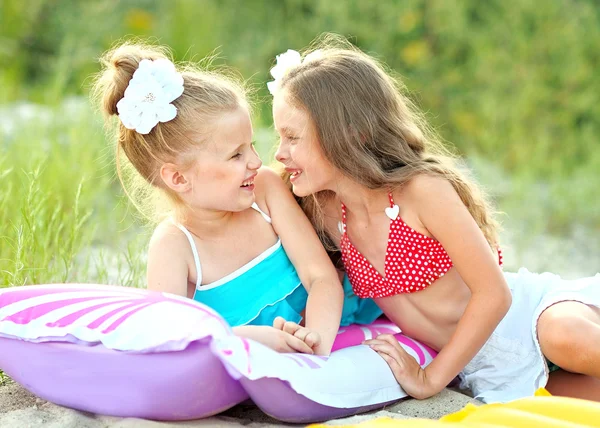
point(513, 85)
point(516, 81)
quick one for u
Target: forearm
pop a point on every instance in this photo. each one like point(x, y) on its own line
point(481, 317)
point(324, 311)
point(249, 331)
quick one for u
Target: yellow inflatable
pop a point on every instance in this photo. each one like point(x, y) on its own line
point(543, 410)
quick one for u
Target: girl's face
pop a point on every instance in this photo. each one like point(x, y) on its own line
point(222, 177)
point(299, 149)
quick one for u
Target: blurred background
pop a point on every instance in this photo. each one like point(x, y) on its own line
point(513, 85)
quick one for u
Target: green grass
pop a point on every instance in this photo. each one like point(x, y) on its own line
point(4, 379)
point(63, 215)
point(59, 199)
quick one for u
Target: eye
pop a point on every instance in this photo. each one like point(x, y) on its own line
point(236, 156)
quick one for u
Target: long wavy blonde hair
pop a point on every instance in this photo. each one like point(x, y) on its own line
point(370, 130)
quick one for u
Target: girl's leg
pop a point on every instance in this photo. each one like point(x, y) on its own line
point(565, 384)
point(569, 335)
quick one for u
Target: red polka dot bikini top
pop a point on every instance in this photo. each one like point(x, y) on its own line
point(413, 261)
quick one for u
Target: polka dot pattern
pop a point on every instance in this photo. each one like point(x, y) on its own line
point(413, 261)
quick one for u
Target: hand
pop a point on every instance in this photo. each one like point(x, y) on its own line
point(309, 337)
point(409, 374)
point(280, 341)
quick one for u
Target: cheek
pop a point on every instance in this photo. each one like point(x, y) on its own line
point(220, 174)
point(310, 159)
point(211, 175)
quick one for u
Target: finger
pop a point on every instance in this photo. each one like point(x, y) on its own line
point(374, 342)
point(394, 366)
point(298, 345)
point(278, 323)
point(390, 351)
point(291, 327)
point(385, 348)
point(400, 351)
point(312, 339)
point(389, 338)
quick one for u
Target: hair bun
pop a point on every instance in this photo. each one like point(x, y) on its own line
point(118, 66)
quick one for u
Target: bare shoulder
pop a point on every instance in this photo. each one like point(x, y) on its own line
point(267, 182)
point(429, 191)
point(169, 258)
point(167, 237)
point(271, 191)
point(267, 176)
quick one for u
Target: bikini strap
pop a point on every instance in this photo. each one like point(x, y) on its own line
point(343, 222)
point(266, 217)
point(391, 200)
point(194, 252)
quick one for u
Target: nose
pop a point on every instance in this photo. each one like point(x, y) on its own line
point(282, 152)
point(255, 162)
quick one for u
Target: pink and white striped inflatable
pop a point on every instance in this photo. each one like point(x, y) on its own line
point(135, 353)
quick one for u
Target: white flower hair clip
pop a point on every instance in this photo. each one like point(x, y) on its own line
point(148, 97)
point(285, 62)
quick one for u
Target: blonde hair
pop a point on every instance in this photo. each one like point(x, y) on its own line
point(206, 96)
point(371, 132)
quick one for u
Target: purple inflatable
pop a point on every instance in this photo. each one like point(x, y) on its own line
point(135, 353)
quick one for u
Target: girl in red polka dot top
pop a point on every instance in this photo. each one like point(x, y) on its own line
point(416, 234)
point(412, 260)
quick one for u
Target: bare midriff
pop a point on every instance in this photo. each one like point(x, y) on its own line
point(430, 315)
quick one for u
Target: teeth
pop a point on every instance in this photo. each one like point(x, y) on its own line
point(295, 173)
point(247, 183)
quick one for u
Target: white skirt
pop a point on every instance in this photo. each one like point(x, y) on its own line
point(510, 365)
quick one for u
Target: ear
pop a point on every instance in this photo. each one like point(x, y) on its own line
point(175, 178)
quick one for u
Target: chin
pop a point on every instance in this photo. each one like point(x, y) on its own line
point(301, 191)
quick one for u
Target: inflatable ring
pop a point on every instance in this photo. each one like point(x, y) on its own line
point(134, 353)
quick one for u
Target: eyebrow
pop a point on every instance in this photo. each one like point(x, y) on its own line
point(287, 130)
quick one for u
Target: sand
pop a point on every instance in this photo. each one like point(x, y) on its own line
point(19, 408)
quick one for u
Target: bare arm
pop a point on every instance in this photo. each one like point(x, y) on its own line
point(168, 256)
point(167, 268)
point(445, 216)
point(273, 338)
point(317, 273)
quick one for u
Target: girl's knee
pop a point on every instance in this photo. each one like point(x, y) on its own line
point(565, 338)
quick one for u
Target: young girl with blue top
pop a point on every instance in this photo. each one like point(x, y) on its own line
point(231, 234)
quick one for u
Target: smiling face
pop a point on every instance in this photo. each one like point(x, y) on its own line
point(299, 149)
point(222, 176)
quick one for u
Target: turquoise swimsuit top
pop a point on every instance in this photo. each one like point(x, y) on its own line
point(267, 287)
point(258, 292)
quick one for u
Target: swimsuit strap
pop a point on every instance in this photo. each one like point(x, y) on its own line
point(266, 217)
point(343, 218)
point(391, 200)
point(194, 252)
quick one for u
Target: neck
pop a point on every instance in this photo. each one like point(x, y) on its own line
point(205, 222)
point(361, 201)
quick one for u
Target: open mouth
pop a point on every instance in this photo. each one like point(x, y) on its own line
point(294, 174)
point(249, 183)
